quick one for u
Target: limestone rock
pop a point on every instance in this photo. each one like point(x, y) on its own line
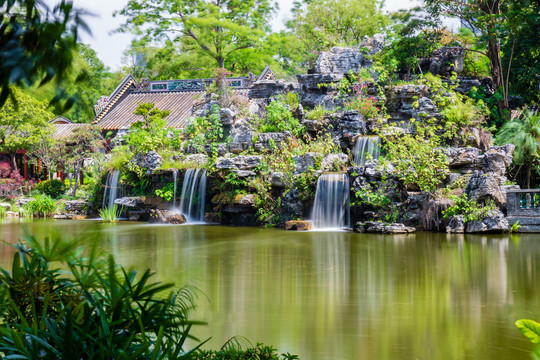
point(339, 60)
point(226, 116)
point(496, 222)
point(6, 206)
point(130, 202)
point(462, 156)
point(242, 162)
point(498, 158)
point(277, 179)
point(166, 217)
point(197, 159)
point(299, 225)
point(334, 162)
point(383, 228)
point(482, 187)
point(78, 206)
point(244, 173)
point(456, 225)
point(149, 161)
point(305, 161)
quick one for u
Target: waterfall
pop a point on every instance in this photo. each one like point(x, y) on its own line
point(111, 189)
point(331, 206)
point(366, 147)
point(193, 194)
point(175, 175)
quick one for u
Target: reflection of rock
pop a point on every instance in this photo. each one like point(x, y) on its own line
point(496, 222)
point(299, 225)
point(166, 217)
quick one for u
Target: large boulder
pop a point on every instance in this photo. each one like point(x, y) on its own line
point(303, 162)
point(149, 161)
point(299, 225)
point(339, 61)
point(463, 156)
point(197, 159)
point(334, 162)
point(495, 222)
point(382, 228)
point(456, 225)
point(498, 158)
point(130, 202)
point(482, 187)
point(242, 162)
point(166, 217)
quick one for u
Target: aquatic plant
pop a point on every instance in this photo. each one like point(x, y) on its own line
point(110, 213)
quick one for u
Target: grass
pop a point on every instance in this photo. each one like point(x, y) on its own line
point(110, 214)
point(3, 211)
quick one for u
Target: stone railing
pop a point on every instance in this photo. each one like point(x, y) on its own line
point(189, 85)
point(523, 202)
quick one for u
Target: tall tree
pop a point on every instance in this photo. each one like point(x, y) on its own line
point(489, 20)
point(322, 24)
point(36, 43)
point(211, 28)
point(24, 122)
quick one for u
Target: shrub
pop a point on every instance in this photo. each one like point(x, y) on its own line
point(258, 352)
point(470, 209)
point(87, 307)
point(110, 214)
point(42, 205)
point(279, 118)
point(366, 106)
point(317, 113)
point(53, 188)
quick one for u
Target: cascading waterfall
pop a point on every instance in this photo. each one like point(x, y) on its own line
point(331, 206)
point(112, 190)
point(193, 195)
point(367, 147)
point(175, 175)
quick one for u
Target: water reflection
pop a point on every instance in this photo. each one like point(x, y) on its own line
point(327, 295)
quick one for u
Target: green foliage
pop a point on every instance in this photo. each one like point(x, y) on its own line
point(460, 115)
point(259, 352)
point(210, 31)
point(42, 205)
point(366, 106)
point(150, 133)
point(418, 157)
point(524, 133)
point(24, 122)
point(37, 43)
point(317, 113)
point(279, 118)
point(531, 329)
point(120, 157)
point(110, 214)
point(59, 304)
point(470, 209)
point(166, 192)
point(53, 188)
point(203, 130)
point(319, 25)
point(3, 211)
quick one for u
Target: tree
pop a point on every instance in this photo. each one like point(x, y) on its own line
point(524, 133)
point(489, 20)
point(78, 147)
point(36, 43)
point(24, 122)
point(214, 29)
point(322, 24)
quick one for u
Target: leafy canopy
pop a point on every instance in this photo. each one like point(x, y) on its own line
point(210, 29)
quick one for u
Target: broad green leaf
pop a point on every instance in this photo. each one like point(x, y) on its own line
point(529, 328)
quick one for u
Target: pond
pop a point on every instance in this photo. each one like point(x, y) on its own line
point(337, 295)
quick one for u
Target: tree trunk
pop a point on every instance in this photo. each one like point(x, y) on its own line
point(14, 161)
point(76, 174)
point(529, 169)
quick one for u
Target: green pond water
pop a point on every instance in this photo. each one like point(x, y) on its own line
point(337, 295)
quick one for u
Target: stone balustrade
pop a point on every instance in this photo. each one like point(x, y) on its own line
point(523, 206)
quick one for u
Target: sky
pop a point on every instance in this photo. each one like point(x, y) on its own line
point(110, 46)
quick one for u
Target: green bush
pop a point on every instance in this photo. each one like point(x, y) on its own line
point(42, 205)
point(53, 188)
point(259, 352)
point(470, 209)
point(279, 118)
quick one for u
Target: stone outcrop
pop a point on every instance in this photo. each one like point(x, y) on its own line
point(334, 162)
point(339, 61)
point(444, 61)
point(242, 162)
point(299, 225)
point(149, 161)
point(496, 222)
point(166, 217)
point(382, 228)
